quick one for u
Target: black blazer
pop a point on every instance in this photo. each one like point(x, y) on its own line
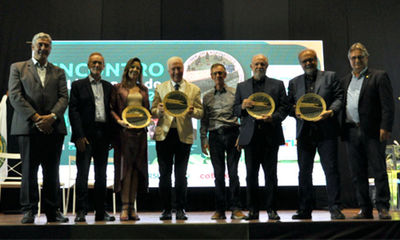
point(375, 105)
point(327, 85)
point(82, 108)
point(276, 89)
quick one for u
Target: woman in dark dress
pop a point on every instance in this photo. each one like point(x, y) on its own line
point(130, 145)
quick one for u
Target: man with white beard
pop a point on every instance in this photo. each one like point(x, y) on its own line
point(261, 137)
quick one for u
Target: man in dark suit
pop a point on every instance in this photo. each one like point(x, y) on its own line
point(38, 93)
point(89, 114)
point(367, 123)
point(320, 134)
point(261, 137)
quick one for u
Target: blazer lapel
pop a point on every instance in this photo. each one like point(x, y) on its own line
point(301, 88)
point(33, 70)
point(89, 88)
point(318, 81)
point(364, 84)
point(249, 88)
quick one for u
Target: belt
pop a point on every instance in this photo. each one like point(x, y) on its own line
point(352, 125)
point(223, 130)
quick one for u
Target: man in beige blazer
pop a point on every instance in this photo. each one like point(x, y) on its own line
point(174, 137)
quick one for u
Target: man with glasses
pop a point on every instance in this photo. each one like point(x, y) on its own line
point(320, 134)
point(223, 128)
point(367, 123)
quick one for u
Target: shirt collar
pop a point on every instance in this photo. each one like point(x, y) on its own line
point(36, 63)
point(92, 80)
point(262, 80)
point(181, 83)
point(362, 73)
point(223, 90)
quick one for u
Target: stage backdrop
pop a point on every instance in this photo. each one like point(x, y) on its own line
point(198, 56)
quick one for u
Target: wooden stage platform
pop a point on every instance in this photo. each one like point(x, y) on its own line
point(200, 226)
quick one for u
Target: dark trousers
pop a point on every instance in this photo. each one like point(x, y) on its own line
point(172, 152)
point(98, 149)
point(44, 150)
point(364, 151)
point(327, 150)
point(221, 142)
point(259, 151)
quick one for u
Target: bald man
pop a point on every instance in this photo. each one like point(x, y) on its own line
point(174, 138)
point(320, 134)
point(261, 137)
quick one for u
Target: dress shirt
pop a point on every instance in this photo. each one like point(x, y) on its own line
point(97, 88)
point(218, 111)
point(259, 85)
point(310, 83)
point(182, 86)
point(353, 95)
point(41, 70)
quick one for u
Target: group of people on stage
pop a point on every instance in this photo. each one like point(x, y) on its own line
point(359, 108)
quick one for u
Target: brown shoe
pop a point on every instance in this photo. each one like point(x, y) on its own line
point(237, 215)
point(218, 215)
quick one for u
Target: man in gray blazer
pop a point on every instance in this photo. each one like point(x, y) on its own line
point(320, 134)
point(38, 93)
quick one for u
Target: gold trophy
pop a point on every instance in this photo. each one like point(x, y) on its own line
point(310, 106)
point(136, 116)
point(263, 104)
point(176, 103)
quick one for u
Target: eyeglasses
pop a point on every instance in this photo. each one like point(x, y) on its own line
point(216, 73)
point(353, 58)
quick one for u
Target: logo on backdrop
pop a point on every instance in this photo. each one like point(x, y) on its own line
point(197, 69)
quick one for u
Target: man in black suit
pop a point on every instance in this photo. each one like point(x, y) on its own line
point(89, 114)
point(261, 137)
point(320, 134)
point(38, 93)
point(367, 123)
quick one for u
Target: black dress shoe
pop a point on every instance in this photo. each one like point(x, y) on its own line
point(104, 217)
point(273, 215)
point(29, 217)
point(384, 214)
point(181, 215)
point(166, 215)
point(80, 216)
point(253, 215)
point(364, 214)
point(56, 217)
point(336, 214)
point(301, 214)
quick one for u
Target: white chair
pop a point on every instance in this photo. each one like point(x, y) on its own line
point(72, 177)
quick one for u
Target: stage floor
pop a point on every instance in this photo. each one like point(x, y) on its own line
point(200, 226)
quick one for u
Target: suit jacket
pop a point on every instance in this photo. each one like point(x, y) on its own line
point(328, 87)
point(82, 108)
point(28, 97)
point(184, 123)
point(276, 89)
point(375, 105)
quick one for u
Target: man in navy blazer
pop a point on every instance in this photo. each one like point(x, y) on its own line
point(38, 92)
point(261, 137)
point(321, 134)
point(89, 115)
point(367, 123)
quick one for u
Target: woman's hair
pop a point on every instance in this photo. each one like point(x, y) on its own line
point(125, 76)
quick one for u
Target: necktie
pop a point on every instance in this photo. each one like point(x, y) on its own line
point(177, 87)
